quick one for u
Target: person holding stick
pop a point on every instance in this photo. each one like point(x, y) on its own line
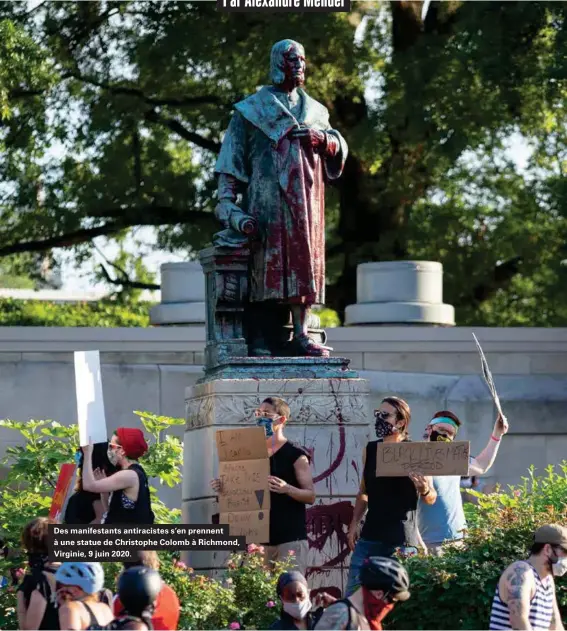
point(444, 522)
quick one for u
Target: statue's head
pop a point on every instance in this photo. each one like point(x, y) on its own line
point(287, 63)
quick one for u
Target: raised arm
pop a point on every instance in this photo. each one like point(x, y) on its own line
point(518, 588)
point(482, 463)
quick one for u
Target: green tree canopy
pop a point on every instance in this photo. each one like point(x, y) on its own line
point(113, 113)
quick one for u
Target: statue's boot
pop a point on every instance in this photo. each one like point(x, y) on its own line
point(305, 347)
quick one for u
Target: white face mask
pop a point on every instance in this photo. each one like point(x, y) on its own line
point(298, 611)
point(466, 484)
point(560, 567)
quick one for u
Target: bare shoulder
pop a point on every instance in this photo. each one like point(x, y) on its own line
point(516, 579)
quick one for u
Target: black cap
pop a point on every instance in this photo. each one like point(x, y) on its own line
point(138, 589)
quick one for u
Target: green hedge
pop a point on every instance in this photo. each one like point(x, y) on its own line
point(104, 313)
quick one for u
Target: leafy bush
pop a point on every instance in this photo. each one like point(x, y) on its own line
point(34, 467)
point(456, 591)
point(104, 313)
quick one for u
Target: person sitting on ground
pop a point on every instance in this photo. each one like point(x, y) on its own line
point(138, 590)
point(525, 596)
point(85, 507)
point(384, 582)
point(130, 501)
point(78, 587)
point(166, 614)
point(293, 592)
point(36, 607)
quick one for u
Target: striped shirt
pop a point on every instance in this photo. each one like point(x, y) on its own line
point(541, 606)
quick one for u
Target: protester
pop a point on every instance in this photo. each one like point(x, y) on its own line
point(130, 501)
point(36, 608)
point(78, 586)
point(384, 582)
point(291, 487)
point(525, 596)
point(138, 590)
point(166, 614)
point(391, 522)
point(444, 521)
point(296, 613)
point(83, 506)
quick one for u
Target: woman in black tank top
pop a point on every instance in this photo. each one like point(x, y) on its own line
point(391, 502)
point(129, 501)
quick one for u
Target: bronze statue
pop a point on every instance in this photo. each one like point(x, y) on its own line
point(277, 153)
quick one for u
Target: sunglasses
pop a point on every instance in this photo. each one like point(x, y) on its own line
point(262, 414)
point(114, 446)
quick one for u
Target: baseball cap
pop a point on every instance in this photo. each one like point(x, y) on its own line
point(553, 534)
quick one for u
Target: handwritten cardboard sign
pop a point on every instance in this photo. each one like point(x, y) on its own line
point(90, 404)
point(427, 458)
point(244, 467)
point(63, 490)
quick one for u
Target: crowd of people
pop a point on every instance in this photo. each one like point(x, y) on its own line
point(400, 516)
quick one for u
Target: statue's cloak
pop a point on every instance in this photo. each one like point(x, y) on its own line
point(284, 189)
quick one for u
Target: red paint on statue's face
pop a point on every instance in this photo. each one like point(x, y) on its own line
point(294, 68)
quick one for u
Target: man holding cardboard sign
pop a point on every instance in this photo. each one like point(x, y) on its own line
point(445, 521)
point(285, 488)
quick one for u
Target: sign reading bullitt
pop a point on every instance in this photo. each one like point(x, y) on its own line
point(427, 458)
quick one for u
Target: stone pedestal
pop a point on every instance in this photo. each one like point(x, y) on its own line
point(329, 417)
point(400, 292)
point(182, 295)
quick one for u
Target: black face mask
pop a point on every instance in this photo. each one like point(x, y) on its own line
point(437, 437)
point(383, 428)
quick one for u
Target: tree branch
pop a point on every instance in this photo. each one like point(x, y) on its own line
point(205, 99)
point(148, 216)
point(176, 127)
point(126, 282)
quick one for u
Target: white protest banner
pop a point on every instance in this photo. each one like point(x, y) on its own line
point(488, 377)
point(90, 404)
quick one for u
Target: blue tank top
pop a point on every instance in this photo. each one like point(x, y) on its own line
point(541, 606)
point(444, 520)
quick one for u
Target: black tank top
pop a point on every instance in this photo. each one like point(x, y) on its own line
point(141, 511)
point(392, 506)
point(287, 516)
point(37, 580)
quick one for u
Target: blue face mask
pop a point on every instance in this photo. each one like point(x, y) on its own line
point(78, 455)
point(267, 424)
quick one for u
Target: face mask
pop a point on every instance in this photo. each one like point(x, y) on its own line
point(437, 437)
point(112, 456)
point(267, 424)
point(560, 567)
point(375, 609)
point(466, 483)
point(78, 458)
point(383, 428)
point(298, 611)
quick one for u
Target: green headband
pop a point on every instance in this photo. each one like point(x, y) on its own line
point(444, 419)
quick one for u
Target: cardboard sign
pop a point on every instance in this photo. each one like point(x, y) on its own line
point(427, 458)
point(488, 377)
point(244, 467)
point(90, 404)
point(63, 490)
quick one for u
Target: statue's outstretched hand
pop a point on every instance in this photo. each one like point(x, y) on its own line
point(310, 137)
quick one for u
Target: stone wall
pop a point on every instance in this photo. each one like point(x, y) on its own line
point(434, 368)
